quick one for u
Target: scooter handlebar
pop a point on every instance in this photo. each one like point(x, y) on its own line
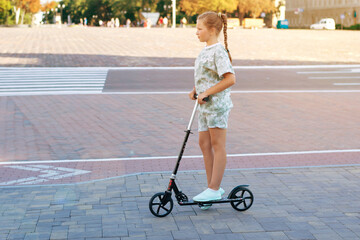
point(204, 99)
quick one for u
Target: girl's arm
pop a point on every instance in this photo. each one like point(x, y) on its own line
point(228, 80)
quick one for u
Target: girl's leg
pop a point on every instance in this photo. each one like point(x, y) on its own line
point(218, 143)
point(206, 148)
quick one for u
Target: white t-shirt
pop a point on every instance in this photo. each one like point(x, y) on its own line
point(210, 66)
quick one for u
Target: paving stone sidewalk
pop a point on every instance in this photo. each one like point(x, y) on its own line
point(110, 47)
point(290, 203)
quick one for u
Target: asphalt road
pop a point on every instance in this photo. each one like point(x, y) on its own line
point(42, 81)
point(343, 77)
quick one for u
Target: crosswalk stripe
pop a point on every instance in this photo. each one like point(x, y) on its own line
point(38, 84)
point(21, 81)
point(51, 89)
point(56, 77)
point(90, 81)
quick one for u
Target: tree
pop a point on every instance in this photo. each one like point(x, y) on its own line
point(73, 8)
point(49, 9)
point(192, 7)
point(128, 8)
point(25, 6)
point(5, 7)
point(254, 8)
point(98, 10)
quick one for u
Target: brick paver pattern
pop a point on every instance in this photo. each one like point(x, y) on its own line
point(306, 203)
point(106, 47)
point(290, 203)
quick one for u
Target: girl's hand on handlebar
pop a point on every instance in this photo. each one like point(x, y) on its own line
point(192, 94)
point(201, 98)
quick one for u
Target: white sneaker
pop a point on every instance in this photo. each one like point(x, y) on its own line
point(206, 206)
point(208, 195)
point(222, 191)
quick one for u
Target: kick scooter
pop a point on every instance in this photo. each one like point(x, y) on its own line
point(161, 204)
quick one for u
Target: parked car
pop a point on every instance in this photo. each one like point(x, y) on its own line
point(325, 23)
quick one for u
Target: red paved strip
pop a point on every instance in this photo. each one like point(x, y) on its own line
point(102, 170)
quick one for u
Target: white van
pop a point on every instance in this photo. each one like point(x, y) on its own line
point(325, 23)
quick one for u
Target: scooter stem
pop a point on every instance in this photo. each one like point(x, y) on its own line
point(188, 131)
point(193, 115)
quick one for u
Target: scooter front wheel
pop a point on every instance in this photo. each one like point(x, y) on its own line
point(161, 204)
point(245, 196)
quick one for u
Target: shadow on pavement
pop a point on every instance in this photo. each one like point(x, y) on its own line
point(88, 60)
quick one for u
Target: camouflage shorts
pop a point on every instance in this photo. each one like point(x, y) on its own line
point(212, 120)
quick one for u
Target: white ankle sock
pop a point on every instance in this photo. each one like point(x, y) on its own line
point(215, 191)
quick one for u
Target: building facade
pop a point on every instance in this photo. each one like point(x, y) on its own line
point(303, 13)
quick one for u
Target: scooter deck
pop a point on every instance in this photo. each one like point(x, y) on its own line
point(222, 200)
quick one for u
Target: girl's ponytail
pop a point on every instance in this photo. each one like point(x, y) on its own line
point(224, 20)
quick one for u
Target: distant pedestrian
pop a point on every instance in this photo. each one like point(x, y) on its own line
point(85, 22)
point(183, 22)
point(117, 23)
point(161, 21)
point(165, 22)
point(128, 23)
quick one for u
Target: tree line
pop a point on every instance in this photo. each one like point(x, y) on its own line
point(21, 11)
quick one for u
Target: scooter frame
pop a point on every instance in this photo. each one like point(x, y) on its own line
point(161, 204)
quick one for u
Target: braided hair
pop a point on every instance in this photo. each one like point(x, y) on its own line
point(224, 19)
point(217, 21)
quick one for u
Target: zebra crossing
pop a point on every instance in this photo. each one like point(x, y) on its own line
point(349, 76)
point(39, 81)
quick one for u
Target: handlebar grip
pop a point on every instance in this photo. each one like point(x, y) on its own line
point(204, 99)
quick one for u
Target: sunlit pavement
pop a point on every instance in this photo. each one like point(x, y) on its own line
point(84, 165)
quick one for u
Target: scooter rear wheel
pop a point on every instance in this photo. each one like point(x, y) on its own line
point(159, 206)
point(245, 196)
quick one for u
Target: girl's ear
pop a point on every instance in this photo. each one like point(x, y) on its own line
point(213, 30)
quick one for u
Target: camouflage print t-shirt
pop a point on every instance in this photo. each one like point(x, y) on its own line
point(210, 66)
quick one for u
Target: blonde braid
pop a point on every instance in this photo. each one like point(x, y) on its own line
point(224, 19)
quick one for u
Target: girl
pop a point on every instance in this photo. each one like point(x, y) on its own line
point(214, 76)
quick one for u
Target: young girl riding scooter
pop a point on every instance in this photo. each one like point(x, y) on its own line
point(214, 77)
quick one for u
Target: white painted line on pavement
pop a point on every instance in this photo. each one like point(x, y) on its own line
point(241, 67)
point(356, 77)
point(53, 173)
point(7, 74)
point(232, 92)
point(346, 84)
point(98, 91)
point(51, 85)
point(71, 69)
point(50, 89)
point(25, 168)
point(42, 78)
point(35, 181)
point(19, 181)
point(50, 81)
point(51, 93)
point(332, 72)
point(175, 157)
point(296, 67)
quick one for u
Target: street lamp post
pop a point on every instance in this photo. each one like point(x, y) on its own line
point(61, 6)
point(173, 13)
